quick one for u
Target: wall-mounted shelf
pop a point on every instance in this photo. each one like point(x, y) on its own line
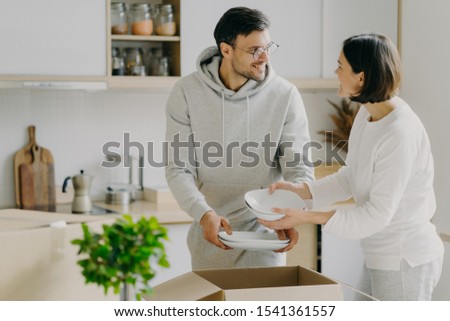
point(315, 83)
point(445, 237)
point(148, 83)
point(145, 38)
point(168, 82)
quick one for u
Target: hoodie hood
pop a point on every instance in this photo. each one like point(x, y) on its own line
point(208, 64)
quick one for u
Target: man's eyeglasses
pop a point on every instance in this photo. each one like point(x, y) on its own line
point(270, 49)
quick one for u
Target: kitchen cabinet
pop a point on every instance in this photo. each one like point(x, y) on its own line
point(169, 45)
point(65, 44)
point(68, 45)
point(307, 250)
point(48, 41)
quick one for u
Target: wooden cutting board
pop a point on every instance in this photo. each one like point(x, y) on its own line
point(34, 176)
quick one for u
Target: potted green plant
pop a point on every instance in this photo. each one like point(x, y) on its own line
point(123, 254)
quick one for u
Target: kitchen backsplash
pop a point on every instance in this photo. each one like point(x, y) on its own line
point(74, 126)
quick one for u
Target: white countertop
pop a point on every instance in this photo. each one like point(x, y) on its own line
point(17, 219)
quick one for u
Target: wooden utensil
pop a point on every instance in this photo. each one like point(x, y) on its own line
point(41, 164)
point(37, 184)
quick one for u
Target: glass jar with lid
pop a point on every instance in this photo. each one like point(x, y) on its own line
point(118, 63)
point(141, 19)
point(155, 9)
point(134, 64)
point(166, 25)
point(119, 21)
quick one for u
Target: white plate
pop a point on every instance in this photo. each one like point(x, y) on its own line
point(254, 246)
point(261, 201)
point(252, 237)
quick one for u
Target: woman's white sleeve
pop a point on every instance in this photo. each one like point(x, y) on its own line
point(331, 189)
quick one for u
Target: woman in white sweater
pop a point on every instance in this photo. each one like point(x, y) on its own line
point(389, 174)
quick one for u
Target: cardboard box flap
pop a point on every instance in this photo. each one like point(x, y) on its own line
point(310, 277)
point(331, 292)
point(242, 278)
point(281, 283)
point(15, 219)
point(186, 287)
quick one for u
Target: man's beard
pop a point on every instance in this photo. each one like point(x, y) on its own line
point(249, 74)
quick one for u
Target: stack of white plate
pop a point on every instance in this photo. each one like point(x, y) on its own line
point(260, 202)
point(256, 241)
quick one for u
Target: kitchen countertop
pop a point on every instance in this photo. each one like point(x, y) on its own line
point(17, 219)
point(165, 213)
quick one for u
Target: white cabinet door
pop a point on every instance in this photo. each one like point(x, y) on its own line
point(295, 26)
point(177, 254)
point(345, 18)
point(53, 37)
point(343, 261)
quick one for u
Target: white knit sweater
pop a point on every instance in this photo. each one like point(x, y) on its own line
point(389, 173)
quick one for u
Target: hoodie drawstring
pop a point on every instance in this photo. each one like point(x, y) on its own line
point(223, 118)
point(248, 119)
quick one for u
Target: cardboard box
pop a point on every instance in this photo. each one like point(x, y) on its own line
point(159, 195)
point(287, 283)
point(38, 262)
point(162, 197)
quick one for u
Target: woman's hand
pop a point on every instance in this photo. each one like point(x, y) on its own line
point(293, 217)
point(300, 189)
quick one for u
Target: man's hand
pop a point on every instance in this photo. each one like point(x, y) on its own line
point(211, 224)
point(290, 234)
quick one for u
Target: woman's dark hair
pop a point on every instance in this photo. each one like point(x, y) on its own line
point(239, 21)
point(376, 56)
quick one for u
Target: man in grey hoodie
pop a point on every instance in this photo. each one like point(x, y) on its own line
point(233, 126)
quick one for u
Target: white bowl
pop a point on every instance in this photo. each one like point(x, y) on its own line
point(265, 216)
point(260, 202)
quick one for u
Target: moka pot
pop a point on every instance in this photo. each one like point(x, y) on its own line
point(81, 203)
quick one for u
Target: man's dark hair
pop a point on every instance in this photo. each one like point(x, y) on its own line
point(239, 21)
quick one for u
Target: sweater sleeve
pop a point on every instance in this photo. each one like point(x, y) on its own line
point(331, 189)
point(392, 170)
point(181, 169)
point(295, 162)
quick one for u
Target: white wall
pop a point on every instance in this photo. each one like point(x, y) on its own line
point(295, 26)
point(345, 18)
point(426, 63)
point(309, 32)
point(74, 125)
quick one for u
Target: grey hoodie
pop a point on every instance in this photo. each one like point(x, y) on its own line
point(201, 109)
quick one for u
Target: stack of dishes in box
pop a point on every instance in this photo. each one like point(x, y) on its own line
point(255, 241)
point(260, 202)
